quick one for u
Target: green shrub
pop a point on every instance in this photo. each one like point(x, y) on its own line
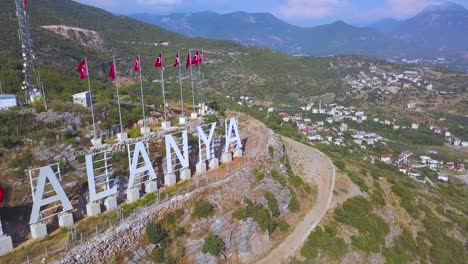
point(331, 229)
point(319, 241)
point(20, 164)
point(210, 119)
point(272, 203)
point(65, 167)
point(365, 243)
point(340, 164)
point(444, 249)
point(213, 245)
point(392, 256)
point(258, 174)
point(155, 233)
point(259, 213)
point(278, 177)
point(378, 198)
point(359, 181)
point(202, 209)
point(357, 212)
point(134, 132)
point(271, 150)
point(407, 197)
point(171, 218)
point(8, 142)
point(180, 231)
point(159, 255)
point(282, 225)
point(294, 205)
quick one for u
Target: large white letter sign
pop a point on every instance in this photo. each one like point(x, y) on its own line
point(229, 137)
point(172, 145)
point(202, 139)
point(103, 177)
point(135, 169)
point(38, 201)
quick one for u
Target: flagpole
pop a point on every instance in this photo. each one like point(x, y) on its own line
point(202, 82)
point(203, 90)
point(191, 78)
point(142, 99)
point(180, 84)
point(118, 95)
point(163, 91)
point(90, 98)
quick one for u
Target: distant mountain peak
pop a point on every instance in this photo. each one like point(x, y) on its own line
point(340, 23)
point(444, 7)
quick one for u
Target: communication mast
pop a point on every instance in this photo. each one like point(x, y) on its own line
point(31, 84)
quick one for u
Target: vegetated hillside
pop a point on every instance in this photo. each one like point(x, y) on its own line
point(380, 215)
point(395, 220)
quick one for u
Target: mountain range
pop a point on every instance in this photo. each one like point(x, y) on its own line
point(436, 31)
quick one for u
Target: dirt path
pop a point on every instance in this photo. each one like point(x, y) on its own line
point(312, 166)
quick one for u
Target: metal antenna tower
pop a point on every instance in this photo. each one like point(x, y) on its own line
point(31, 81)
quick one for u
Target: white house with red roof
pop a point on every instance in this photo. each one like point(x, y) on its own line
point(404, 168)
point(386, 157)
point(286, 117)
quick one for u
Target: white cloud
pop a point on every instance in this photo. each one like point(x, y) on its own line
point(312, 9)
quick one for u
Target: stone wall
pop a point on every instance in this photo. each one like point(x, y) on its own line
point(127, 235)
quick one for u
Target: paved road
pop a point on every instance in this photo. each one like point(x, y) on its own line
point(318, 168)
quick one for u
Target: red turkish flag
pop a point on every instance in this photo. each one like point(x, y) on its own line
point(136, 66)
point(187, 62)
point(2, 194)
point(158, 63)
point(177, 60)
point(82, 69)
point(195, 59)
point(112, 70)
point(200, 58)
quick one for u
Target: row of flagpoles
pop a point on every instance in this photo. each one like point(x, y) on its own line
point(197, 60)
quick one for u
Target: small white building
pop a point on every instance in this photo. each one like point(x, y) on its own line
point(343, 127)
point(442, 177)
point(424, 159)
point(315, 137)
point(83, 99)
point(7, 101)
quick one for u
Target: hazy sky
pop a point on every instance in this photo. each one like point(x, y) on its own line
point(299, 12)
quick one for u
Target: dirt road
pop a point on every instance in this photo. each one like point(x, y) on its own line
point(312, 166)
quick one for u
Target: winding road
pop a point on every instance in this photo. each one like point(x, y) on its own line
point(312, 165)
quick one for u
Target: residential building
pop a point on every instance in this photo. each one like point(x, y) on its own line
point(83, 99)
point(7, 101)
point(386, 157)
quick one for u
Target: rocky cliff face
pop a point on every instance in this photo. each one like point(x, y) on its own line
point(86, 37)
